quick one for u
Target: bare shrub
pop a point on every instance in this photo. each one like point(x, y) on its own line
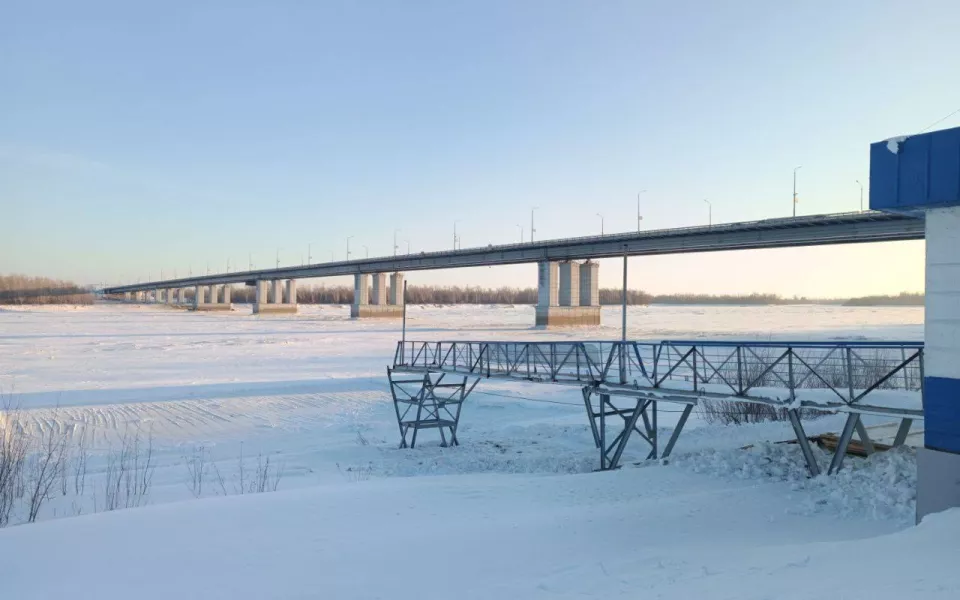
point(80, 464)
point(197, 470)
point(264, 476)
point(44, 467)
point(356, 474)
point(265, 479)
point(14, 447)
point(739, 412)
point(129, 473)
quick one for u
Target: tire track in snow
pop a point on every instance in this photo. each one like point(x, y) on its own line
point(182, 421)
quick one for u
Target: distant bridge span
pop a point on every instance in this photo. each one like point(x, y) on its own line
point(844, 228)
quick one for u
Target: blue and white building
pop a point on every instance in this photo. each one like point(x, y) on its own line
point(921, 173)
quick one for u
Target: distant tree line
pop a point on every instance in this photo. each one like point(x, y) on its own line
point(425, 294)
point(21, 289)
point(902, 299)
point(419, 294)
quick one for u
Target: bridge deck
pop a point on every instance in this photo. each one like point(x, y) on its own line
point(845, 228)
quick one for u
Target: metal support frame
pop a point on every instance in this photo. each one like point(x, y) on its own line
point(808, 455)
point(437, 405)
point(855, 424)
point(640, 409)
point(902, 432)
point(835, 376)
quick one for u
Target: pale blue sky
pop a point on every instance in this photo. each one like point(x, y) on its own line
point(136, 137)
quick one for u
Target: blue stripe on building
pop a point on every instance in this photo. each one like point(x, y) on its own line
point(941, 410)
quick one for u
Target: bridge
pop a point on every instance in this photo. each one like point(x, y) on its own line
point(568, 289)
point(627, 380)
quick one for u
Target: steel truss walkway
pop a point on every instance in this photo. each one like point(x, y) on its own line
point(623, 383)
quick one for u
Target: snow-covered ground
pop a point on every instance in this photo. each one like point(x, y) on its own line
point(515, 512)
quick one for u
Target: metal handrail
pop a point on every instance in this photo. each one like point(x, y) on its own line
point(841, 375)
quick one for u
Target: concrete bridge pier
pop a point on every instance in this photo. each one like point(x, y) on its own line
point(385, 303)
point(568, 293)
point(127, 297)
point(206, 298)
point(270, 298)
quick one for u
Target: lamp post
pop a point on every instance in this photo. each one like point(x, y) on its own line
point(367, 251)
point(639, 218)
point(520, 227)
point(532, 228)
point(349, 237)
point(861, 195)
point(795, 189)
point(709, 212)
point(601, 223)
point(395, 247)
point(455, 233)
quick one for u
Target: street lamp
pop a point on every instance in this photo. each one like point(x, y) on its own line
point(709, 212)
point(601, 223)
point(395, 247)
point(532, 229)
point(408, 246)
point(349, 237)
point(367, 251)
point(520, 227)
point(861, 195)
point(795, 189)
point(639, 218)
point(455, 233)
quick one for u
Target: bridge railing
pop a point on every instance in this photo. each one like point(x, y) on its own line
point(854, 376)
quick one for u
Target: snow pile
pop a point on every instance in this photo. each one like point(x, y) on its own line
point(765, 460)
point(881, 487)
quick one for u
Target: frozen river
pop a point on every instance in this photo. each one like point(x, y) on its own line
point(219, 394)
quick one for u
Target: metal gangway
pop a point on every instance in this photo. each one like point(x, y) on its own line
point(623, 382)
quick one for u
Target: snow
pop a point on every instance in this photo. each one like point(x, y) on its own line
point(893, 144)
point(652, 532)
point(516, 511)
